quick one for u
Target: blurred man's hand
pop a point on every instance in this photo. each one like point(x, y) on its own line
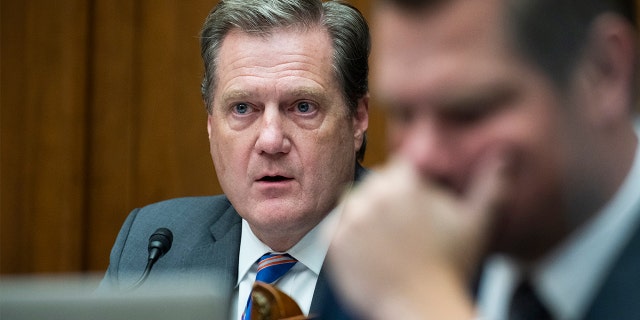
point(443, 233)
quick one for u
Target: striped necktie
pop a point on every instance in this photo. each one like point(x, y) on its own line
point(271, 267)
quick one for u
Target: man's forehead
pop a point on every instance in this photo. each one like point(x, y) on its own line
point(464, 35)
point(450, 56)
point(284, 51)
point(281, 43)
point(455, 20)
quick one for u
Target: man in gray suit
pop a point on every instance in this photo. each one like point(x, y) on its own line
point(515, 153)
point(286, 92)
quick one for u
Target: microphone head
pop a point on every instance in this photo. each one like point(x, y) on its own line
point(161, 240)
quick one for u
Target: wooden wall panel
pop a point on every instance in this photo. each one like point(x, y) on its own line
point(112, 111)
point(44, 92)
point(173, 145)
point(149, 142)
point(13, 235)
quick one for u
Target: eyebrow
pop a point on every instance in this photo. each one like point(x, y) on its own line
point(491, 95)
point(315, 94)
point(301, 92)
point(234, 95)
point(473, 100)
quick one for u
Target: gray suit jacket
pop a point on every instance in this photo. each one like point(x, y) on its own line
point(206, 243)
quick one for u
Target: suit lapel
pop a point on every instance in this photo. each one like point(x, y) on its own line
point(325, 304)
point(226, 234)
point(219, 257)
point(618, 296)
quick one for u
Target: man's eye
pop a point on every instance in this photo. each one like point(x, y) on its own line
point(468, 116)
point(402, 115)
point(304, 107)
point(241, 108)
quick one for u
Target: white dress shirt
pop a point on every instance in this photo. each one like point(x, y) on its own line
point(299, 282)
point(567, 279)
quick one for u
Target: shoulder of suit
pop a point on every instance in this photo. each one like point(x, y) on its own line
point(203, 202)
point(193, 209)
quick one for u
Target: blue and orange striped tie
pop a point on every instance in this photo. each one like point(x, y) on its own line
point(271, 267)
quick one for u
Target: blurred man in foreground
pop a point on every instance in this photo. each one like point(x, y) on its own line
point(515, 160)
point(286, 92)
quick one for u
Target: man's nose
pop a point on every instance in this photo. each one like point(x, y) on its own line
point(429, 149)
point(272, 135)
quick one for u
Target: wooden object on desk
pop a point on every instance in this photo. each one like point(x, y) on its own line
point(269, 303)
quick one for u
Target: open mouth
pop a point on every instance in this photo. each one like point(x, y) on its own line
point(274, 179)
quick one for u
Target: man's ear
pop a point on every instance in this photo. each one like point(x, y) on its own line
point(361, 121)
point(607, 69)
point(209, 119)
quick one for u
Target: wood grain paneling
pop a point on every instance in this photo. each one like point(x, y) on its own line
point(149, 140)
point(112, 111)
point(44, 130)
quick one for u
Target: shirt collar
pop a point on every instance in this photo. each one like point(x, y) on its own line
point(309, 251)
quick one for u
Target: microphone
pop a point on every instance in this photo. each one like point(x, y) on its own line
point(159, 244)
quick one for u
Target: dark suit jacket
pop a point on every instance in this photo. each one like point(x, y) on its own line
point(619, 295)
point(206, 244)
